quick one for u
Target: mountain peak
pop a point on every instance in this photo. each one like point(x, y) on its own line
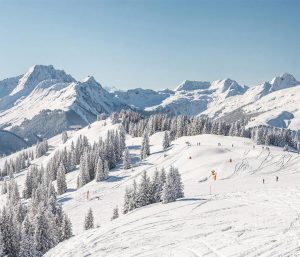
point(89, 79)
point(286, 80)
point(39, 73)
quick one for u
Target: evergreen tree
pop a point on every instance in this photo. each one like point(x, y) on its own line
point(169, 190)
point(115, 213)
point(127, 199)
point(89, 220)
point(126, 161)
point(131, 198)
point(44, 234)
point(27, 247)
point(144, 191)
point(1, 245)
point(64, 137)
point(61, 180)
point(84, 175)
point(4, 187)
point(66, 228)
point(156, 187)
point(106, 170)
point(166, 141)
point(145, 149)
point(178, 183)
point(100, 176)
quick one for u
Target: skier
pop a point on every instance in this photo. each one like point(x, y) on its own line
point(88, 195)
point(263, 181)
point(277, 178)
point(230, 160)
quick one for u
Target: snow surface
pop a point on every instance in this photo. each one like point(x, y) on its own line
point(236, 215)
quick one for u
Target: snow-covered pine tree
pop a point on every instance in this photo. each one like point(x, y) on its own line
point(61, 180)
point(131, 198)
point(169, 189)
point(115, 213)
point(89, 220)
point(1, 245)
point(156, 185)
point(66, 228)
point(178, 183)
point(27, 246)
point(127, 199)
point(44, 233)
point(126, 160)
point(144, 191)
point(100, 176)
point(84, 175)
point(166, 141)
point(106, 170)
point(28, 186)
point(4, 187)
point(122, 134)
point(64, 137)
point(145, 148)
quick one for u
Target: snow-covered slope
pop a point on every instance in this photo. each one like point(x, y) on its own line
point(240, 217)
point(237, 215)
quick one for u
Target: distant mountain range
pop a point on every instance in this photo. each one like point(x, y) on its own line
point(46, 101)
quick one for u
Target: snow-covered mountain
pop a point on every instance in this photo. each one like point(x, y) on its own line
point(45, 101)
point(194, 97)
point(270, 103)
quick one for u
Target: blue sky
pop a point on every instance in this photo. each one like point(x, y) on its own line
point(152, 44)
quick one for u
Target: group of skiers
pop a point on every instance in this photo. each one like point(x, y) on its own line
point(277, 179)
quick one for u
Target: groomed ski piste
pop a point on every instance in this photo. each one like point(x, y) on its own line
point(234, 215)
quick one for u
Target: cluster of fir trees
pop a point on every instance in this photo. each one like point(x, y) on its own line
point(94, 161)
point(97, 160)
point(16, 164)
point(135, 124)
point(161, 188)
point(265, 135)
point(31, 229)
